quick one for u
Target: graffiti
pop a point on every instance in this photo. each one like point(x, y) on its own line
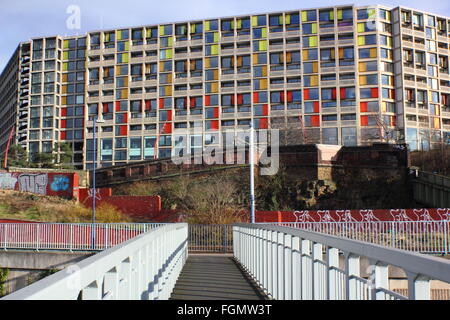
point(50, 184)
point(303, 216)
point(34, 183)
point(366, 215)
point(60, 183)
point(7, 181)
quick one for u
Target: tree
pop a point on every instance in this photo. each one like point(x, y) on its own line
point(17, 157)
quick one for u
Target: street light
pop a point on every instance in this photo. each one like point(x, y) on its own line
point(252, 176)
point(94, 194)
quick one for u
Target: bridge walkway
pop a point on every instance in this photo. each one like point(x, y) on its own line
point(214, 277)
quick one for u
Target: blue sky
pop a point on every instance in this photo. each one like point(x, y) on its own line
point(23, 19)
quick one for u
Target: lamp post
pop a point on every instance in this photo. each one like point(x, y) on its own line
point(94, 194)
point(252, 176)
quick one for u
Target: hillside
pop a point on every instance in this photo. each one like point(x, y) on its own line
point(32, 207)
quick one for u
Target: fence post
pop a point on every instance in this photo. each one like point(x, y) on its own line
point(445, 237)
point(224, 238)
point(107, 236)
point(71, 238)
point(392, 234)
point(37, 237)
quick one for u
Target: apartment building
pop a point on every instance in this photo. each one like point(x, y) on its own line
point(336, 75)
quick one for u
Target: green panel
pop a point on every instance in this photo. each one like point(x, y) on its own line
point(119, 35)
point(215, 49)
point(339, 14)
point(161, 30)
point(332, 15)
point(169, 53)
point(313, 41)
point(66, 55)
point(304, 16)
point(314, 27)
point(207, 26)
point(216, 37)
point(361, 27)
point(264, 32)
point(125, 57)
point(263, 45)
point(361, 40)
point(193, 28)
point(288, 19)
point(127, 46)
point(239, 23)
point(170, 42)
point(254, 21)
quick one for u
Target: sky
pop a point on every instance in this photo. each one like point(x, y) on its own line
point(21, 20)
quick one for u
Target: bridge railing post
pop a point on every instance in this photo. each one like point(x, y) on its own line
point(352, 268)
point(332, 277)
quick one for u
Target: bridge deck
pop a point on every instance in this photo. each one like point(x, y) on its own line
point(213, 277)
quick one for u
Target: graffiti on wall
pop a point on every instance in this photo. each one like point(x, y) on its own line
point(51, 184)
point(7, 181)
point(34, 183)
point(367, 215)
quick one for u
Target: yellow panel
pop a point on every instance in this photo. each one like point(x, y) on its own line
point(263, 84)
point(314, 81)
point(214, 87)
point(362, 80)
point(64, 100)
point(373, 52)
point(362, 67)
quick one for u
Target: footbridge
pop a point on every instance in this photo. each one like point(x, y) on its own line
point(241, 261)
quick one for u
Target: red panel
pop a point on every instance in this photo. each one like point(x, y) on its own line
point(315, 121)
point(255, 97)
point(263, 123)
point(207, 100)
point(363, 106)
point(333, 94)
point(393, 121)
point(342, 93)
point(215, 124)
point(147, 105)
point(169, 115)
point(316, 107)
point(63, 123)
point(63, 135)
point(125, 117)
point(117, 106)
point(63, 112)
point(192, 102)
point(216, 112)
point(364, 120)
point(161, 103)
point(265, 109)
point(105, 107)
point(123, 130)
point(167, 128)
point(306, 94)
point(239, 99)
point(289, 96)
point(374, 92)
point(282, 96)
point(232, 100)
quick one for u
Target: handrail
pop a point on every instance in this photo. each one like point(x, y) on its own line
point(145, 267)
point(297, 254)
point(68, 236)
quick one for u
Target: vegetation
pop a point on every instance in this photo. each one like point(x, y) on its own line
point(4, 273)
point(26, 206)
point(61, 157)
point(435, 160)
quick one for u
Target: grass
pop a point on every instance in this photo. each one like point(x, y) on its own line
point(26, 206)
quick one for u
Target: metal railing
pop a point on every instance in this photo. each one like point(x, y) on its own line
point(69, 236)
point(210, 238)
point(143, 268)
point(292, 264)
point(420, 236)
